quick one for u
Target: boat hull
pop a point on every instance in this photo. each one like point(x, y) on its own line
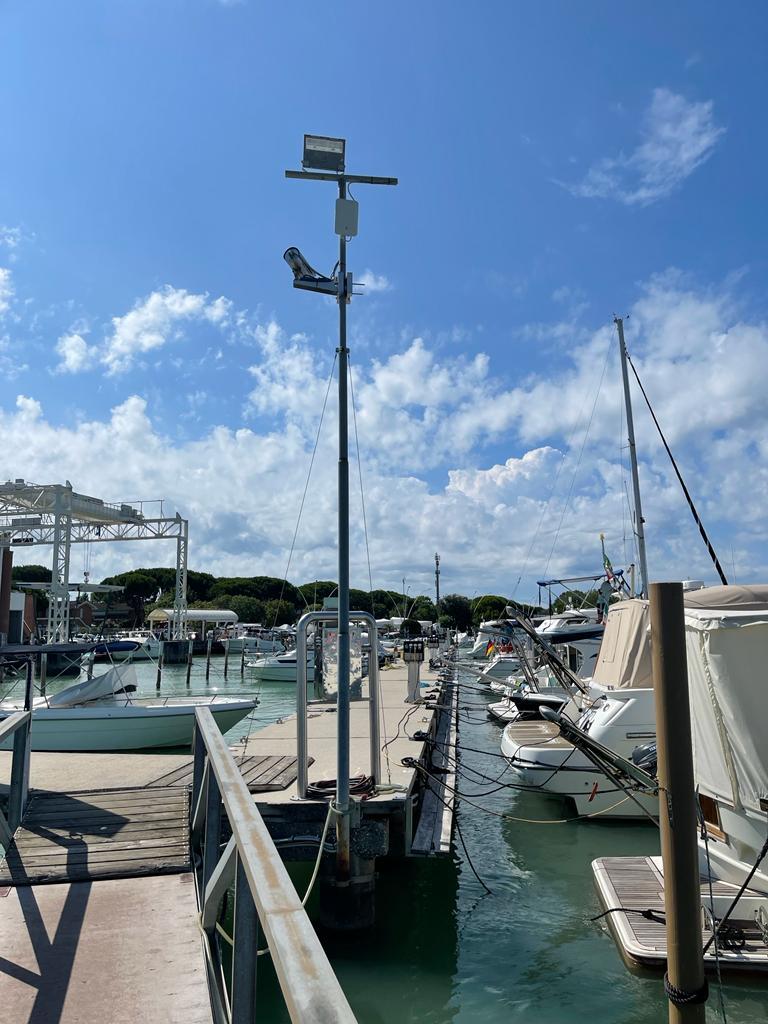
point(123, 727)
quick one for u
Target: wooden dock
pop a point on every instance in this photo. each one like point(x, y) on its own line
point(117, 951)
point(637, 884)
point(98, 901)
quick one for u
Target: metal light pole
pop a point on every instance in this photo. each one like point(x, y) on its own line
point(639, 521)
point(327, 155)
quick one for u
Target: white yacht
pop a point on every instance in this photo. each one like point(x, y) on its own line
point(281, 668)
point(254, 639)
point(617, 710)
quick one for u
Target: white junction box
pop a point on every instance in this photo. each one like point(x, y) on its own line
point(346, 217)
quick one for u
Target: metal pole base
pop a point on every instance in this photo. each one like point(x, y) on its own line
point(349, 906)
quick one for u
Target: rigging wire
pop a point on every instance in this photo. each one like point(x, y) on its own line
point(304, 495)
point(382, 716)
point(688, 498)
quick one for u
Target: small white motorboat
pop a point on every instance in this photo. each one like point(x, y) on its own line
point(101, 714)
point(281, 668)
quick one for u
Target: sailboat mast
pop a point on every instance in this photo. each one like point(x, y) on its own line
point(639, 521)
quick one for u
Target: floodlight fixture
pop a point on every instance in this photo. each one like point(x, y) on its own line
point(324, 153)
point(306, 277)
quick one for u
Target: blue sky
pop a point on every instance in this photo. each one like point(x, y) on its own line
point(558, 163)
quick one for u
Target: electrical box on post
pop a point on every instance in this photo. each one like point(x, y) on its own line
point(346, 217)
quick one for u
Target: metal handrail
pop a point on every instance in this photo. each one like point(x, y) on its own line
point(12, 723)
point(302, 754)
point(265, 897)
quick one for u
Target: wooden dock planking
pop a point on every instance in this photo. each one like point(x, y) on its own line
point(122, 950)
point(106, 834)
point(265, 774)
point(637, 883)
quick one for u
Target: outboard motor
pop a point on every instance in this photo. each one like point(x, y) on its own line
point(645, 757)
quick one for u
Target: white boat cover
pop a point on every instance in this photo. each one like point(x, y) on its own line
point(99, 688)
point(727, 649)
point(740, 598)
point(625, 652)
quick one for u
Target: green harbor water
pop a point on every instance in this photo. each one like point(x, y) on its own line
point(443, 950)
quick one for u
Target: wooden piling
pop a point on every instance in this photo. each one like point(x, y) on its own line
point(159, 676)
point(226, 657)
point(208, 648)
point(242, 659)
point(190, 645)
point(43, 672)
point(684, 982)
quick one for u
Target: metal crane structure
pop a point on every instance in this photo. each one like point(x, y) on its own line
point(56, 514)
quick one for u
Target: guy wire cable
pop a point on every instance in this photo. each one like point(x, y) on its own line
point(688, 498)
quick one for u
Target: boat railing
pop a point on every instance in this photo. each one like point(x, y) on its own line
point(266, 904)
point(19, 726)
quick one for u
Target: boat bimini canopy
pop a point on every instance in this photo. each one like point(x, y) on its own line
point(625, 652)
point(726, 632)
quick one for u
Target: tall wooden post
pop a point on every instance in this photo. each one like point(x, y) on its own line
point(226, 657)
point(208, 648)
point(684, 982)
point(190, 647)
point(43, 672)
point(160, 659)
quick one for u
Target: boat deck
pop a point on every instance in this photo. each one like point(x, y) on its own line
point(537, 733)
point(637, 883)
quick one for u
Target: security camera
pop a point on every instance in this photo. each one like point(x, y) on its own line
point(306, 277)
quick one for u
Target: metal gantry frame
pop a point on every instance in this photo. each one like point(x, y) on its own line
point(56, 514)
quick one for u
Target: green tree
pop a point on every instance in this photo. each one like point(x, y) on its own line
point(139, 588)
point(247, 609)
point(456, 611)
point(423, 608)
point(315, 593)
point(489, 606)
point(31, 573)
point(278, 612)
point(386, 603)
point(410, 628)
point(574, 599)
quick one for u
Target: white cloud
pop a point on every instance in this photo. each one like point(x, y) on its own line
point(6, 290)
point(425, 418)
point(374, 282)
point(156, 320)
point(76, 355)
point(10, 237)
point(677, 136)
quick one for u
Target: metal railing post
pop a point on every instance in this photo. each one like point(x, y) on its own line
point(212, 839)
point(198, 765)
point(302, 779)
point(245, 944)
point(374, 698)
